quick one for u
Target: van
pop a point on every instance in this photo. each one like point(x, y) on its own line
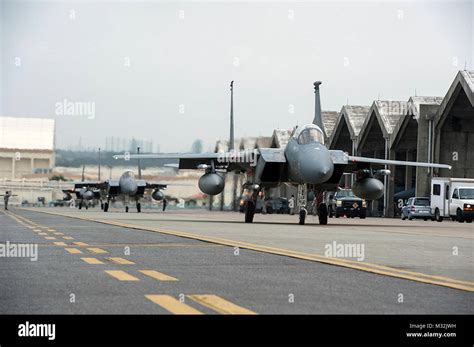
point(452, 198)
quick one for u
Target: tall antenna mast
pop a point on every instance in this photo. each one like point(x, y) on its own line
point(99, 166)
point(139, 167)
point(231, 140)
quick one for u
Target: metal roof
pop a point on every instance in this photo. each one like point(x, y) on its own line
point(281, 137)
point(247, 143)
point(415, 101)
point(352, 115)
point(27, 133)
point(465, 80)
point(329, 122)
point(263, 142)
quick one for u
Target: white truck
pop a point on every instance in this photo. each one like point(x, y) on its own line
point(452, 197)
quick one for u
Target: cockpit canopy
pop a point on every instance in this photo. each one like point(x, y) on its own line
point(309, 133)
point(129, 173)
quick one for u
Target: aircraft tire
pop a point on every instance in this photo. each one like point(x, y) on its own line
point(139, 207)
point(302, 216)
point(249, 211)
point(126, 209)
point(323, 214)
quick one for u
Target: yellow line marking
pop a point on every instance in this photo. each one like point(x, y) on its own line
point(92, 261)
point(73, 250)
point(34, 229)
point(58, 233)
point(50, 229)
point(68, 238)
point(172, 305)
point(367, 267)
point(121, 261)
point(121, 275)
point(96, 250)
point(50, 238)
point(42, 233)
point(219, 304)
point(81, 244)
point(60, 243)
point(158, 275)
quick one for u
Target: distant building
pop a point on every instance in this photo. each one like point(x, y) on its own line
point(26, 147)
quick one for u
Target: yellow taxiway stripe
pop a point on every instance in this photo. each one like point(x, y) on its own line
point(121, 275)
point(73, 250)
point(60, 243)
point(58, 234)
point(158, 275)
point(94, 261)
point(119, 260)
point(96, 250)
point(68, 238)
point(362, 266)
point(42, 234)
point(50, 238)
point(80, 244)
point(172, 305)
point(218, 304)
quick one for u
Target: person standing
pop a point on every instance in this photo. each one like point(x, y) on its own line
point(291, 204)
point(6, 197)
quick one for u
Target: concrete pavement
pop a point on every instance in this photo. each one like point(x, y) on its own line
point(168, 274)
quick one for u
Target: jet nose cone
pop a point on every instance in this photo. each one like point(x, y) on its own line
point(317, 166)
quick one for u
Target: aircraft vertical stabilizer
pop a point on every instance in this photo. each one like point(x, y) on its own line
point(318, 118)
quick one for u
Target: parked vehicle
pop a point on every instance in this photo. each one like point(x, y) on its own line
point(452, 197)
point(278, 205)
point(345, 203)
point(417, 208)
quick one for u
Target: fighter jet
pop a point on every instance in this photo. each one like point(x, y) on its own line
point(304, 160)
point(85, 191)
point(128, 189)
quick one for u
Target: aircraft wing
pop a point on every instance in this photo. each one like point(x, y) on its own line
point(88, 184)
point(342, 158)
point(355, 160)
point(191, 161)
point(155, 186)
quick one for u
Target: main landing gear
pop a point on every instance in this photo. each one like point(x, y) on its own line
point(249, 211)
point(323, 214)
point(302, 202)
point(250, 204)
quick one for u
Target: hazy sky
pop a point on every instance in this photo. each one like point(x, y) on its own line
point(161, 70)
